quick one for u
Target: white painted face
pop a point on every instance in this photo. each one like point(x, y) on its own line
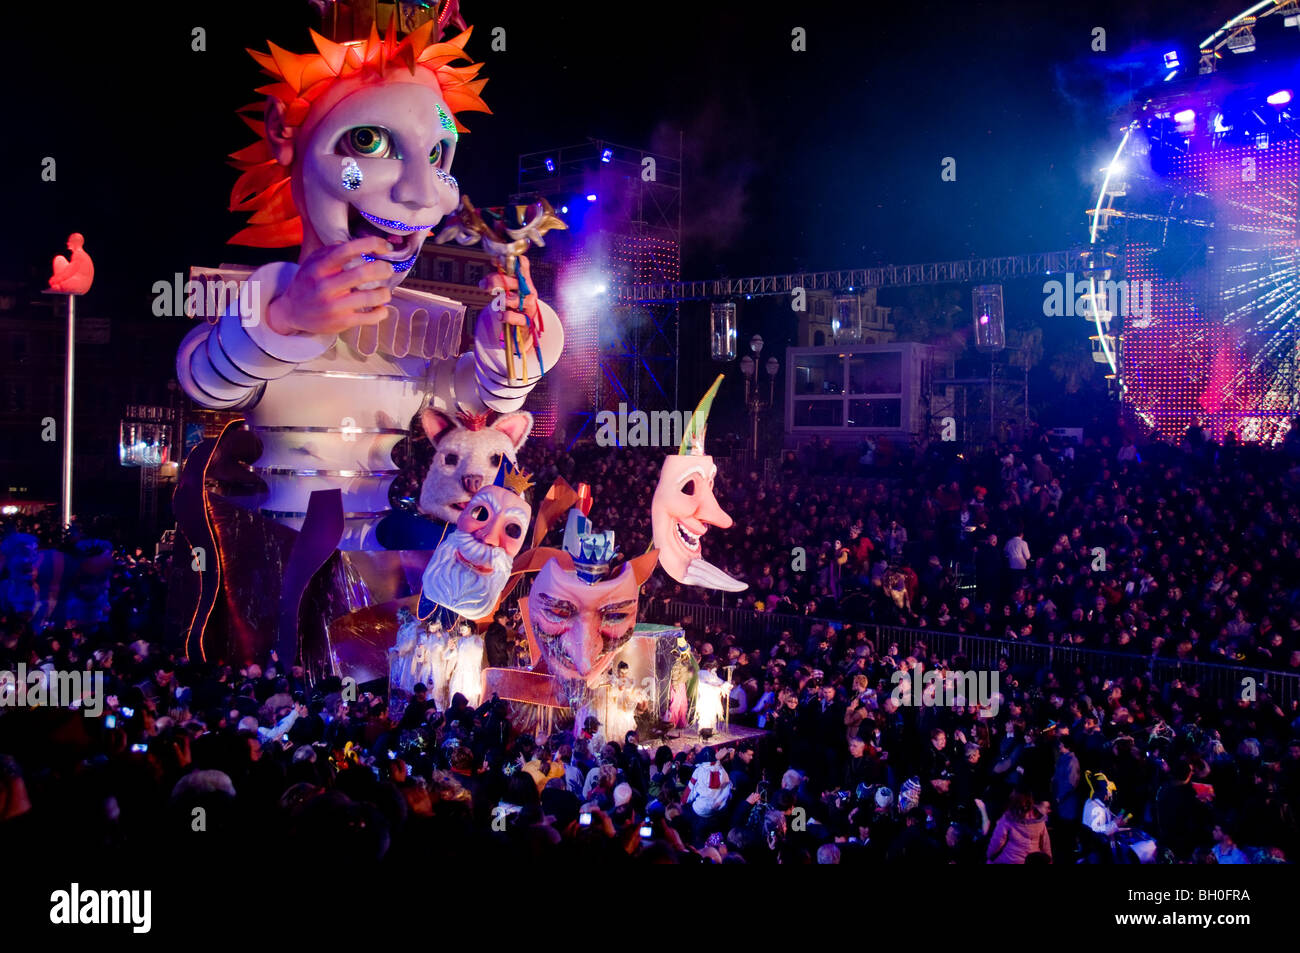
point(392, 143)
point(471, 567)
point(681, 512)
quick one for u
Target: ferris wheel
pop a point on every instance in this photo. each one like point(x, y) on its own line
point(1197, 210)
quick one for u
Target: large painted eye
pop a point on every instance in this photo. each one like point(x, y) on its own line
point(435, 157)
point(451, 459)
point(480, 513)
point(370, 142)
point(495, 459)
point(514, 531)
point(688, 488)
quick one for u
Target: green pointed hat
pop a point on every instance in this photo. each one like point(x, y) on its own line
point(693, 438)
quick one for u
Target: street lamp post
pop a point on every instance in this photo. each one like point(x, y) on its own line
point(69, 376)
point(753, 398)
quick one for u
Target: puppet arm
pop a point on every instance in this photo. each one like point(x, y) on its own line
point(227, 364)
point(476, 380)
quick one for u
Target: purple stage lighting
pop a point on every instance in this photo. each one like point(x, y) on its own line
point(607, 155)
point(591, 196)
point(550, 165)
point(1184, 117)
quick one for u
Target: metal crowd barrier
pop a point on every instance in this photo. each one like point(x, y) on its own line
point(984, 652)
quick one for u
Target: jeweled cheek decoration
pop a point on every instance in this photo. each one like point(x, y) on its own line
point(447, 123)
point(352, 177)
point(448, 178)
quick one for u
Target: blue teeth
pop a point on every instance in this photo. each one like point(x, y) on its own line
point(398, 266)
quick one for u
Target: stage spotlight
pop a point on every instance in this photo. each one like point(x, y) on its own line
point(1171, 59)
point(1218, 124)
point(607, 155)
point(591, 196)
point(550, 165)
point(1115, 168)
point(1185, 117)
point(598, 288)
point(564, 209)
point(1280, 98)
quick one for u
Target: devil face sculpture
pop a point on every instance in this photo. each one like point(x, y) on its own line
point(472, 565)
point(579, 626)
point(681, 512)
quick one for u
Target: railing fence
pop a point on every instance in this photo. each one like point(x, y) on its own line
point(984, 652)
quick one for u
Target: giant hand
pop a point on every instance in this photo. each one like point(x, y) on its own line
point(335, 290)
point(515, 342)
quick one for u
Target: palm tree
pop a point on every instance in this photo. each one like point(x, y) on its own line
point(1028, 350)
point(930, 313)
point(1073, 366)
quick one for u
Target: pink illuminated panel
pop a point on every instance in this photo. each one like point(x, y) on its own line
point(1220, 341)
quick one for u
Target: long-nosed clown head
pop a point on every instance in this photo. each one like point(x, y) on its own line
point(684, 507)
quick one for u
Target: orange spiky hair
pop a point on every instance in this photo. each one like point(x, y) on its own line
point(301, 79)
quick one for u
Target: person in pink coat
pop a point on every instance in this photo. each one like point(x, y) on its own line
point(1020, 831)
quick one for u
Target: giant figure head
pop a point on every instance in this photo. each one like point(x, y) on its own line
point(684, 508)
point(580, 611)
point(472, 565)
point(358, 141)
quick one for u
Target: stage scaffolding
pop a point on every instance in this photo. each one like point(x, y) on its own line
point(624, 206)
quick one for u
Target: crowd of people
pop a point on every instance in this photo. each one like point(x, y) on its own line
point(1179, 551)
point(1188, 552)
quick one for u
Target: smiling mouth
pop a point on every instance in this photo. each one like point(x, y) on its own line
point(481, 570)
point(689, 540)
point(403, 238)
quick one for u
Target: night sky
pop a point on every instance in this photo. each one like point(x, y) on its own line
point(820, 159)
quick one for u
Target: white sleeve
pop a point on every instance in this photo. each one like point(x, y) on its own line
point(478, 380)
point(226, 364)
point(1098, 819)
point(275, 734)
point(500, 382)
